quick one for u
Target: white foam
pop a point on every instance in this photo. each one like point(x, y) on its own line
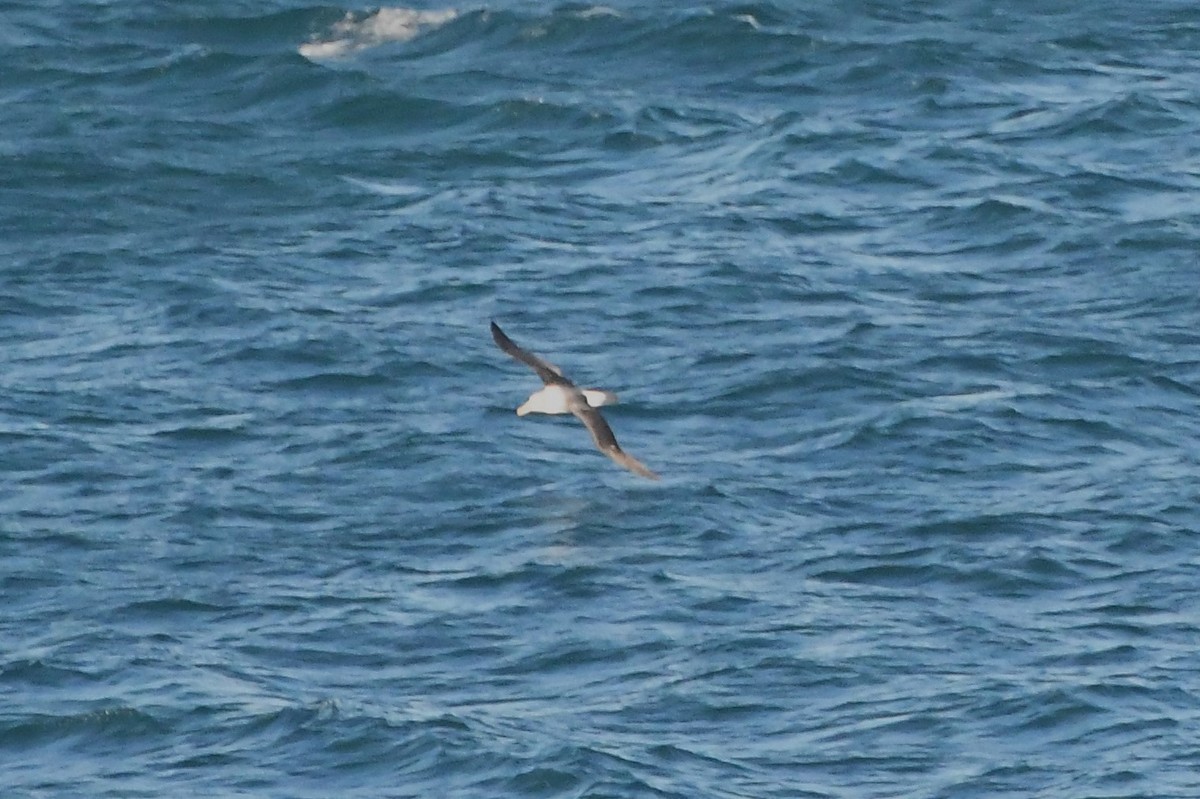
point(598, 11)
point(386, 188)
point(353, 33)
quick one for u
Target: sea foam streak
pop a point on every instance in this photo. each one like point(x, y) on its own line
point(353, 32)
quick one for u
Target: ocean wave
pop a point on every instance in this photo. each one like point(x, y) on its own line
point(355, 32)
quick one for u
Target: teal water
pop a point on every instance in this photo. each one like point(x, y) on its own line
point(900, 301)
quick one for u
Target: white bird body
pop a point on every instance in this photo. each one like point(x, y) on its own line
point(555, 399)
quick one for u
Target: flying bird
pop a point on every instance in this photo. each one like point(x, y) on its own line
point(560, 395)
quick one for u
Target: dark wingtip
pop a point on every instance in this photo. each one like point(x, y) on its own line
point(644, 472)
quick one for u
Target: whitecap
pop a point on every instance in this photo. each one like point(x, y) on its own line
point(386, 188)
point(749, 19)
point(354, 32)
point(597, 11)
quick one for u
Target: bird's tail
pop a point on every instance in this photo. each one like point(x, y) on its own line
point(597, 397)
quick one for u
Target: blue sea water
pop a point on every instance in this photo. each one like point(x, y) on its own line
point(901, 299)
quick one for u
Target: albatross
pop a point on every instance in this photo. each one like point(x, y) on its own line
point(560, 395)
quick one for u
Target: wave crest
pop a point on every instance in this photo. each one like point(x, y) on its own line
point(355, 32)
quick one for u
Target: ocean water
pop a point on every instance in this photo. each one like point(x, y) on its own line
point(901, 299)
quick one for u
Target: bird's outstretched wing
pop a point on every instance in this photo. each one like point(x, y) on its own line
point(548, 372)
point(602, 434)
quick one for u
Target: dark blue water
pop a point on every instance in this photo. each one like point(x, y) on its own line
point(901, 299)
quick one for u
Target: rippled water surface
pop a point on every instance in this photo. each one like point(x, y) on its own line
point(901, 301)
